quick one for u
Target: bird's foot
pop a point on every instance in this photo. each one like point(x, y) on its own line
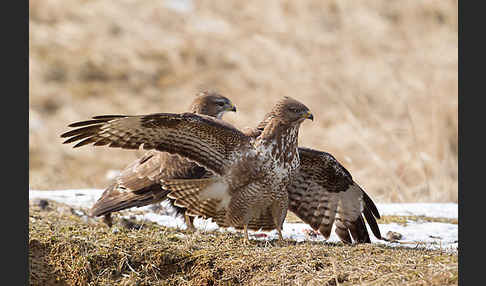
point(281, 243)
point(190, 224)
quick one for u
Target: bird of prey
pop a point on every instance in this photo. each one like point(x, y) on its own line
point(323, 192)
point(248, 189)
point(139, 183)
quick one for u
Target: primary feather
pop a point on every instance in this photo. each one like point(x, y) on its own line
point(139, 183)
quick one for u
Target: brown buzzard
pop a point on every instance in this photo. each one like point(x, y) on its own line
point(139, 183)
point(251, 174)
point(323, 192)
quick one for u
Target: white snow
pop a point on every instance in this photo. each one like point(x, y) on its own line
point(77, 198)
point(445, 210)
point(430, 235)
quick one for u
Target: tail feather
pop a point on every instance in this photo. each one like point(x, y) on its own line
point(209, 198)
point(358, 230)
point(201, 197)
point(178, 211)
point(116, 198)
point(371, 214)
point(342, 231)
point(263, 222)
point(370, 205)
point(349, 221)
point(372, 222)
point(207, 208)
point(318, 213)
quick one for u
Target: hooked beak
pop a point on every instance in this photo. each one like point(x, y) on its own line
point(232, 107)
point(308, 115)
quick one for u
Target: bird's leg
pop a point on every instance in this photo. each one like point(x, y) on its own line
point(279, 212)
point(190, 223)
point(246, 240)
point(108, 219)
point(280, 236)
point(281, 241)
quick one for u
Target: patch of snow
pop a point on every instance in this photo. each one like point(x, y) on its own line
point(83, 198)
point(445, 210)
point(430, 235)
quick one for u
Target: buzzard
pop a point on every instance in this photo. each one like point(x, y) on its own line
point(139, 183)
point(323, 192)
point(248, 189)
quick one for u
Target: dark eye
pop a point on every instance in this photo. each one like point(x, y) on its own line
point(220, 103)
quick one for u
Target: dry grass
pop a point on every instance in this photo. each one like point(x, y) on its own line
point(85, 252)
point(291, 217)
point(380, 77)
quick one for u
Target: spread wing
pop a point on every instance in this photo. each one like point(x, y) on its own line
point(136, 186)
point(208, 141)
point(139, 183)
point(323, 192)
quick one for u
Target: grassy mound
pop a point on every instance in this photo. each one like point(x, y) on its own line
point(68, 249)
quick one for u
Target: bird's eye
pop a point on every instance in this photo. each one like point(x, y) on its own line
point(220, 103)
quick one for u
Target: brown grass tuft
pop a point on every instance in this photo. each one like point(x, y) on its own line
point(69, 250)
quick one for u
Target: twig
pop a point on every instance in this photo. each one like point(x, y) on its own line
point(129, 266)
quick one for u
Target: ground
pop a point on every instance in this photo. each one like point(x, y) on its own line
point(87, 252)
point(149, 246)
point(380, 77)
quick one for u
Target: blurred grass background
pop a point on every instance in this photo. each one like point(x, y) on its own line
point(380, 76)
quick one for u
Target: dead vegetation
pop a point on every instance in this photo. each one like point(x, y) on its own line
point(380, 77)
point(68, 249)
point(291, 217)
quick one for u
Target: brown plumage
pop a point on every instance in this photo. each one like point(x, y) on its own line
point(139, 183)
point(248, 189)
point(323, 192)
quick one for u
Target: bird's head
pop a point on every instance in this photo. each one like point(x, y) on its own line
point(291, 111)
point(212, 103)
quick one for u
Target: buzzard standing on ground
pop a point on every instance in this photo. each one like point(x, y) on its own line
point(248, 190)
point(139, 183)
point(323, 192)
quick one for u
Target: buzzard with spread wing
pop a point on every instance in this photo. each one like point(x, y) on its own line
point(248, 189)
point(323, 192)
point(139, 183)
